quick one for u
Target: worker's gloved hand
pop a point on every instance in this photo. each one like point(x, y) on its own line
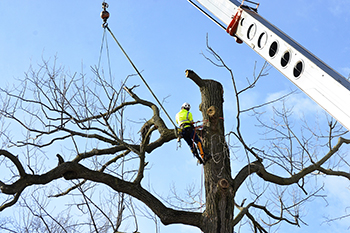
point(179, 131)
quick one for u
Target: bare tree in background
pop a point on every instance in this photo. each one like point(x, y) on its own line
point(87, 118)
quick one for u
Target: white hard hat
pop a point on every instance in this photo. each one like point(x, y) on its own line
point(186, 106)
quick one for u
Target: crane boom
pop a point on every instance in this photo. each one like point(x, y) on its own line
point(325, 86)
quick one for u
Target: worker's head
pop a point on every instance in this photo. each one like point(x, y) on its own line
point(186, 106)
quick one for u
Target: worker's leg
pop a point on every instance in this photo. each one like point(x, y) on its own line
point(187, 135)
point(198, 141)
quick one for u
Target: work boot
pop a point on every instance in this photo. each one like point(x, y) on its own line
point(195, 154)
point(200, 161)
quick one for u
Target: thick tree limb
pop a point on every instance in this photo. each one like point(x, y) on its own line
point(15, 161)
point(258, 167)
point(167, 215)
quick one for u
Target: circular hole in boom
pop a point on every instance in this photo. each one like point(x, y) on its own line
point(251, 31)
point(298, 69)
point(262, 40)
point(285, 59)
point(273, 49)
point(242, 21)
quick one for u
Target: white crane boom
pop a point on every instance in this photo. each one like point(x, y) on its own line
point(326, 87)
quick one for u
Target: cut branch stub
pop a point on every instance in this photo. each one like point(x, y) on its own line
point(213, 119)
point(223, 183)
point(211, 111)
point(194, 77)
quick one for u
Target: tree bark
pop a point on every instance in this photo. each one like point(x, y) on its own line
point(219, 192)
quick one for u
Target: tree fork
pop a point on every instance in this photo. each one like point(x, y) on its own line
point(217, 171)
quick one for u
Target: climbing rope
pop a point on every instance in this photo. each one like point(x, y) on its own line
point(201, 189)
point(105, 16)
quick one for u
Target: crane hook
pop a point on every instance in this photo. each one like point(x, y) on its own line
point(104, 14)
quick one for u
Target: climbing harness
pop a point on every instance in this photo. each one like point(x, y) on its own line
point(105, 16)
point(198, 125)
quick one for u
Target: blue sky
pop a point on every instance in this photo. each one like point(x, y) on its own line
point(164, 38)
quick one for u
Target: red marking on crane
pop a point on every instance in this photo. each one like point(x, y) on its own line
point(232, 27)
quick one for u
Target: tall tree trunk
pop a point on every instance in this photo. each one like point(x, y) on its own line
point(219, 193)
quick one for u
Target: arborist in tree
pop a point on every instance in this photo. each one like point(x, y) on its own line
point(185, 120)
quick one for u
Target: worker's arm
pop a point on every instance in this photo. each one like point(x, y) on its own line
point(190, 118)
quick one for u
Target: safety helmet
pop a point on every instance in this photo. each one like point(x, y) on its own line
point(186, 106)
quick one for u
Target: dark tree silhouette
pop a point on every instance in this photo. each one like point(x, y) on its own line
point(54, 107)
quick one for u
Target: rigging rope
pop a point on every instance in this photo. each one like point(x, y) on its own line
point(109, 60)
point(99, 59)
point(104, 38)
point(137, 71)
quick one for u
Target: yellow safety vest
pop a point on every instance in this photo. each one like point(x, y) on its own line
point(184, 117)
